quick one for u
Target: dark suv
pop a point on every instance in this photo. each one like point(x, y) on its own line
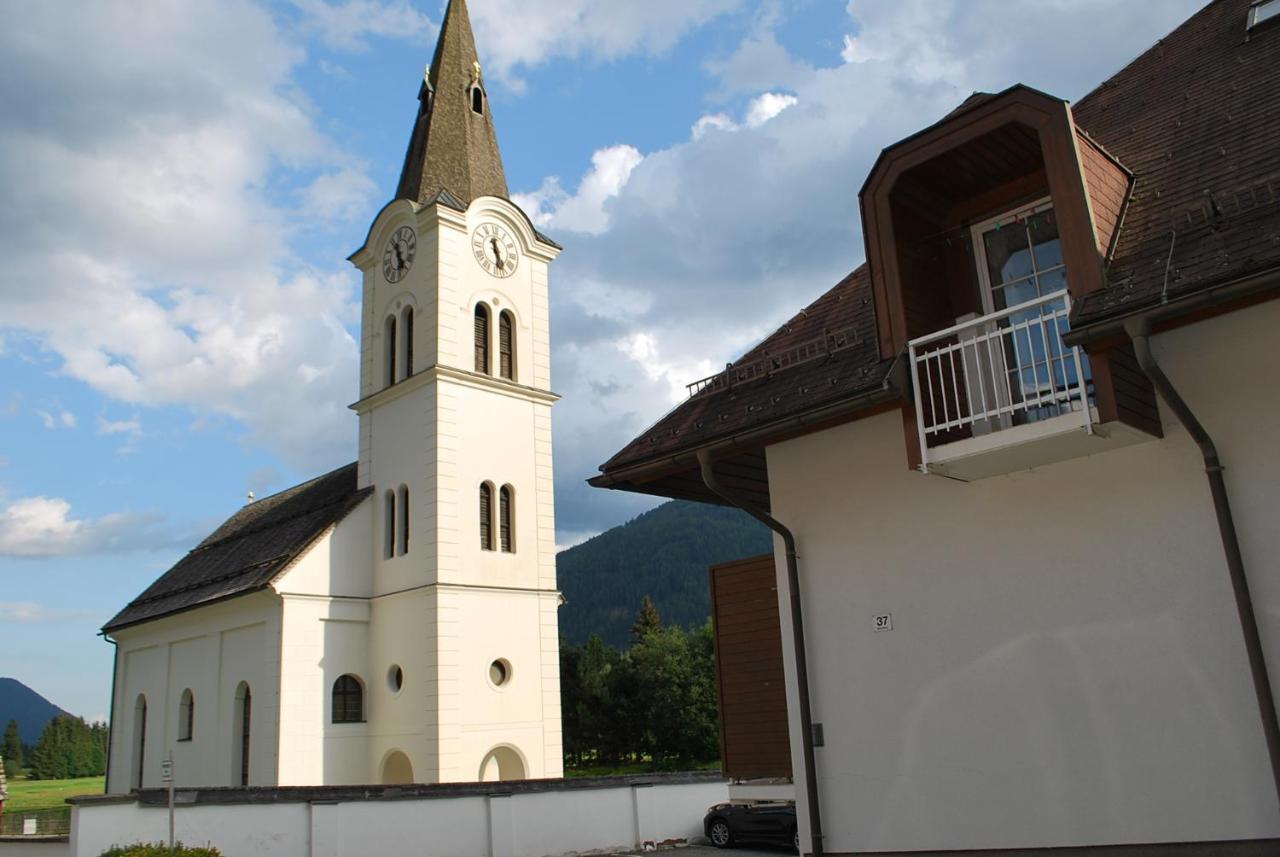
point(730, 823)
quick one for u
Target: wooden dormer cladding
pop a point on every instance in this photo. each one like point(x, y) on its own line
point(1109, 185)
point(991, 154)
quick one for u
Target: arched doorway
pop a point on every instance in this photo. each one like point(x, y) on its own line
point(397, 770)
point(502, 763)
point(139, 741)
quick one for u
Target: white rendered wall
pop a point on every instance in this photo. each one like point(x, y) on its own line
point(442, 609)
point(1065, 665)
point(595, 820)
point(209, 650)
point(325, 629)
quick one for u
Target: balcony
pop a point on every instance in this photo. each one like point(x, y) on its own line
point(1001, 392)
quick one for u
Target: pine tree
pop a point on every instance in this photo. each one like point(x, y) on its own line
point(647, 620)
point(11, 749)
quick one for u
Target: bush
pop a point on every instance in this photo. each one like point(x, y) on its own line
point(159, 849)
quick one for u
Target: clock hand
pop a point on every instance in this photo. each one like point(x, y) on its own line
point(497, 253)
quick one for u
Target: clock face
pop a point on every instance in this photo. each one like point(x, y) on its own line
point(495, 250)
point(397, 259)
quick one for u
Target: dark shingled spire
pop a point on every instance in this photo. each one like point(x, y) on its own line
point(454, 146)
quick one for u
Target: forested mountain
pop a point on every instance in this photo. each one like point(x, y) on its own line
point(31, 710)
point(664, 554)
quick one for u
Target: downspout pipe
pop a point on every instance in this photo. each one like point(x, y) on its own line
point(713, 484)
point(111, 714)
point(1139, 331)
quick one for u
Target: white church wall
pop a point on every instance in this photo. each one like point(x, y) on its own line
point(403, 633)
point(1065, 665)
point(209, 650)
point(601, 818)
point(478, 716)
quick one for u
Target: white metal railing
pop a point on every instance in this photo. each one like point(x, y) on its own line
point(996, 371)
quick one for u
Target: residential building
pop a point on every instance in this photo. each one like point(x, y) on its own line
point(393, 621)
point(1022, 466)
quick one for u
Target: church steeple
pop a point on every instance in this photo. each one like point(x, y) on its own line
point(454, 146)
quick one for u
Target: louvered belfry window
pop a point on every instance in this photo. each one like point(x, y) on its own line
point(505, 512)
point(482, 338)
point(506, 346)
point(486, 517)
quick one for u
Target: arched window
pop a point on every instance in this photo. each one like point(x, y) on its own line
point(506, 519)
point(486, 517)
point(389, 522)
point(243, 720)
point(186, 716)
point(348, 700)
point(406, 335)
point(477, 100)
point(139, 739)
point(482, 338)
point(507, 345)
point(389, 350)
point(404, 520)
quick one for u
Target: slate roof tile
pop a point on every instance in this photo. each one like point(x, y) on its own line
point(250, 549)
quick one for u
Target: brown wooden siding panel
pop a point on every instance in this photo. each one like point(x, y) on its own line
point(754, 742)
point(1108, 186)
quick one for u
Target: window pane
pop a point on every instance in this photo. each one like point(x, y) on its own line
point(1014, 294)
point(1043, 229)
point(1008, 253)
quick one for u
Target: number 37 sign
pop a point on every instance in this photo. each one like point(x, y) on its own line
point(884, 622)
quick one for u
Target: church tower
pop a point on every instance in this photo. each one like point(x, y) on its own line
point(455, 441)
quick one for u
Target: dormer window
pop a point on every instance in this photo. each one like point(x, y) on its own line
point(1262, 12)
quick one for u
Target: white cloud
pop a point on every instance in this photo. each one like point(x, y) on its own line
point(346, 25)
point(131, 426)
point(514, 33)
point(340, 196)
point(713, 122)
point(585, 211)
point(768, 106)
point(45, 527)
point(57, 419)
point(192, 120)
point(29, 612)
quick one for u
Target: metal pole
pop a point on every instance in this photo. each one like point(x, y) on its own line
point(170, 778)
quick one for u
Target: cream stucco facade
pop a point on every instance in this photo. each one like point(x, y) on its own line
point(421, 619)
point(1065, 665)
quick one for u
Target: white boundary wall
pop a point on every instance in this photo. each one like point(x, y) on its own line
point(533, 823)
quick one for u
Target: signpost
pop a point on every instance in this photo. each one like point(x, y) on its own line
point(166, 777)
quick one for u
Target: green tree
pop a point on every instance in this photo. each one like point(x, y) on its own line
point(11, 749)
point(647, 620)
point(69, 747)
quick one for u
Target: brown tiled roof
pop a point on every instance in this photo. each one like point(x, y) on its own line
point(249, 549)
point(826, 353)
point(1196, 119)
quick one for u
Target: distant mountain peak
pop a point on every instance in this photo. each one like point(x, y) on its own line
point(664, 554)
point(31, 710)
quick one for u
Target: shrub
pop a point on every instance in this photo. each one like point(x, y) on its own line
point(159, 849)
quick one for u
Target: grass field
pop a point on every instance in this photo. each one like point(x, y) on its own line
point(48, 794)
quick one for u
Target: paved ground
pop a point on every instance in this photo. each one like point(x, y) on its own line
point(709, 851)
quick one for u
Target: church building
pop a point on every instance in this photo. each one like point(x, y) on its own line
point(394, 621)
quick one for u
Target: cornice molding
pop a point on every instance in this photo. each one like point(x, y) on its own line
point(470, 379)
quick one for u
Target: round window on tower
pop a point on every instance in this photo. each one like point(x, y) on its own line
point(499, 672)
point(395, 678)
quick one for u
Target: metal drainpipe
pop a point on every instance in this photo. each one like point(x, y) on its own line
point(797, 634)
point(111, 713)
point(1139, 331)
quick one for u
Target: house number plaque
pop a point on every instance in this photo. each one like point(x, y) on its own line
point(884, 622)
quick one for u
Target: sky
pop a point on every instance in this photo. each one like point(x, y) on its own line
point(182, 181)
